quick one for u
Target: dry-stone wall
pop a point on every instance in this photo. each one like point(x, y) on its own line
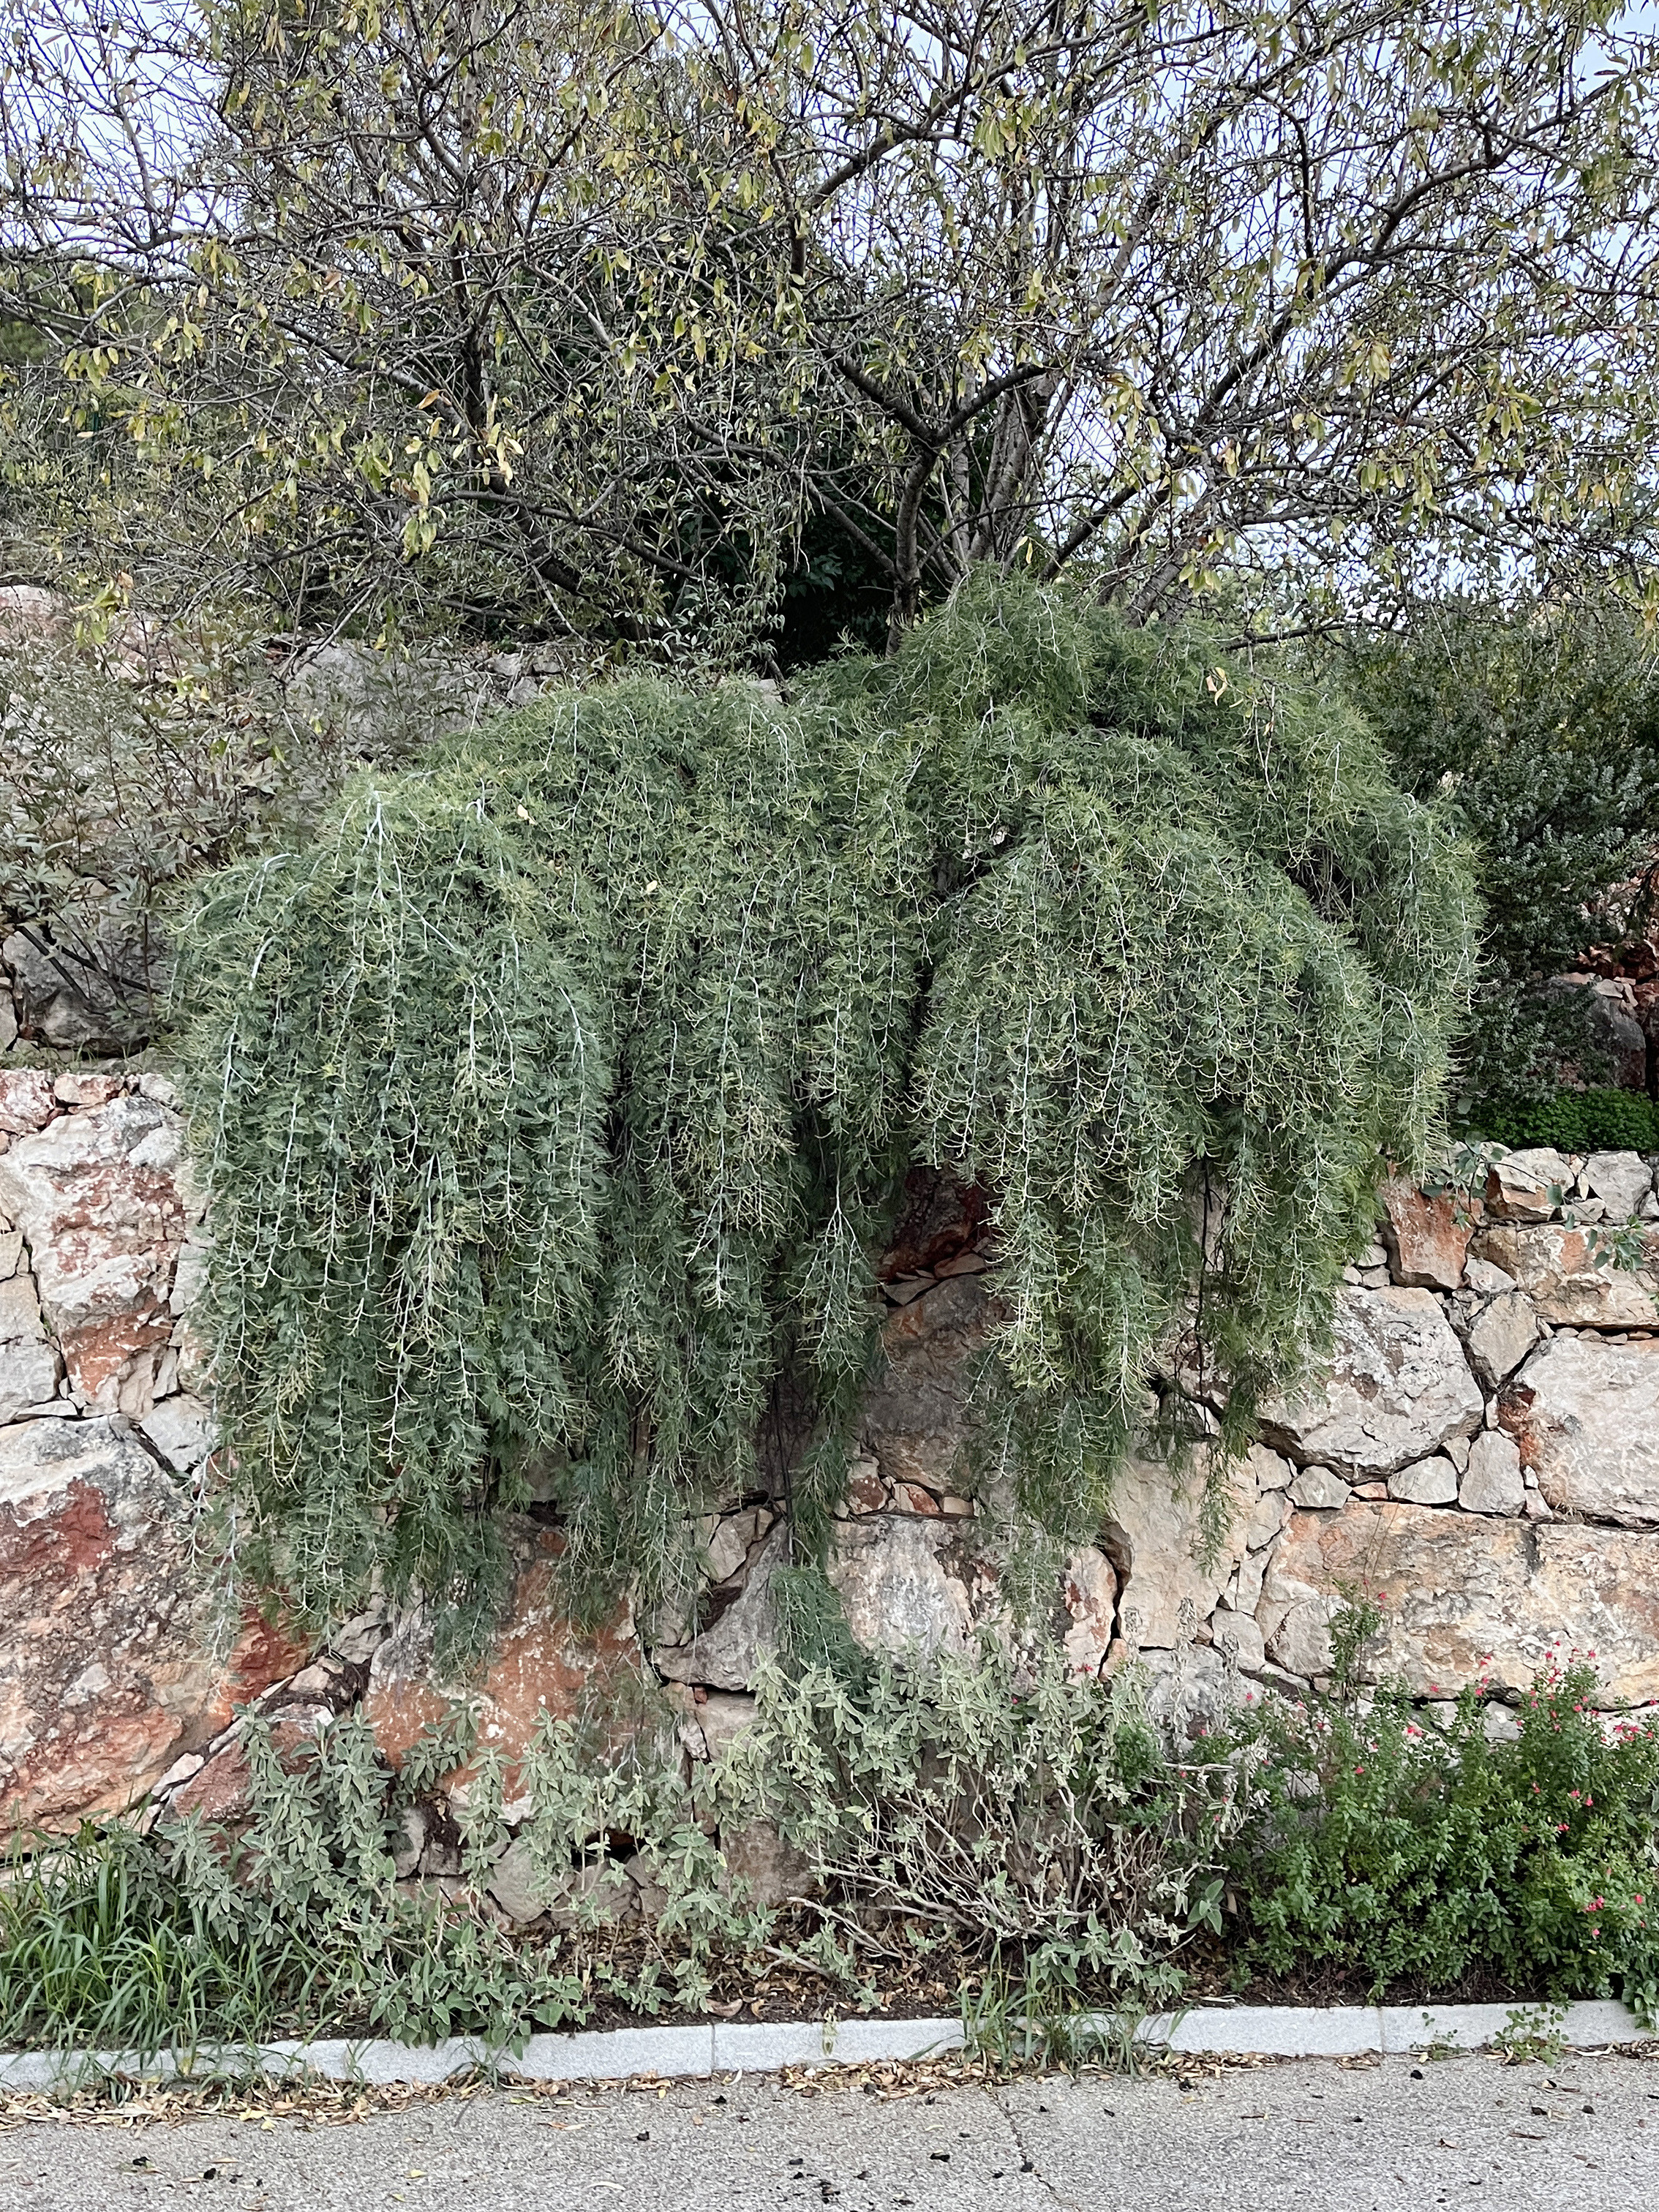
point(107, 1671)
point(1483, 1447)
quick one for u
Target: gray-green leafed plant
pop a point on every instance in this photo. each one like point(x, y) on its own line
point(555, 1100)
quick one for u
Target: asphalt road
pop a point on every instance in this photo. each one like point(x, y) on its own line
point(1580, 2136)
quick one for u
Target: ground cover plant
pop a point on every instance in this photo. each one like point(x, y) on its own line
point(976, 1830)
point(1400, 1848)
point(976, 1822)
point(554, 1101)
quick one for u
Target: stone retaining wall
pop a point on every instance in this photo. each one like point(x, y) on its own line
point(1483, 1448)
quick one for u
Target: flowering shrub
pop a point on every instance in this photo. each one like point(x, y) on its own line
point(1382, 1844)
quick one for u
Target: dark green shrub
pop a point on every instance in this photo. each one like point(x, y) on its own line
point(1540, 732)
point(1597, 1121)
point(1399, 1852)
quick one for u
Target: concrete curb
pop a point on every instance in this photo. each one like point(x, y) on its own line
point(760, 2047)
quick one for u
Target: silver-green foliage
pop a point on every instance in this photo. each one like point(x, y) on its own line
point(999, 1811)
point(554, 1101)
point(979, 1815)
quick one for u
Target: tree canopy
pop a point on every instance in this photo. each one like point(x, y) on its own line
point(554, 1101)
point(599, 316)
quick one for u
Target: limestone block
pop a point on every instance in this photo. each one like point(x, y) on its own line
point(101, 1200)
point(1556, 1267)
point(1500, 1336)
point(1089, 1605)
point(1155, 1524)
point(1235, 1635)
point(1425, 1240)
point(731, 1640)
point(1267, 1469)
point(1430, 1482)
point(27, 1103)
point(916, 1422)
point(1494, 1482)
point(104, 1674)
point(28, 1364)
point(1585, 1414)
point(1620, 1180)
point(1528, 1185)
point(774, 1870)
point(723, 1718)
point(538, 1663)
point(1317, 1488)
point(900, 1585)
point(1397, 1388)
point(1268, 1515)
point(1460, 1586)
point(182, 1430)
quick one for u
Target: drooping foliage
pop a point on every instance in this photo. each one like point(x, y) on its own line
point(555, 1100)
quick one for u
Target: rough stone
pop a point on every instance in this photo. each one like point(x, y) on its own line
point(27, 1103)
point(182, 1430)
point(1089, 1605)
point(1527, 1185)
point(723, 1718)
point(105, 1676)
point(522, 1894)
point(539, 1663)
point(1500, 1336)
point(1235, 1635)
point(915, 1423)
point(1430, 1482)
point(1482, 1275)
point(1266, 1518)
point(900, 1585)
point(1397, 1388)
point(1425, 1241)
point(70, 980)
point(1620, 1180)
point(1585, 1414)
point(1317, 1487)
point(1462, 1588)
point(774, 1869)
point(1555, 1266)
point(1156, 1527)
point(1494, 1482)
point(730, 1643)
point(28, 1364)
point(1267, 1469)
point(101, 1200)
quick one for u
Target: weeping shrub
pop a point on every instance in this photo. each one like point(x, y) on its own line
point(554, 1101)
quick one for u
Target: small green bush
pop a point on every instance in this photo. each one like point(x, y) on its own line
point(1031, 1827)
point(1397, 1851)
point(1573, 1121)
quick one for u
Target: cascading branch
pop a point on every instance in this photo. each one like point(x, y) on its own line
point(554, 1101)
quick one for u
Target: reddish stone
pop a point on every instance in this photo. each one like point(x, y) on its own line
point(100, 1196)
point(26, 1101)
point(538, 1664)
point(86, 1091)
point(1427, 1243)
point(866, 1491)
point(106, 1676)
point(911, 1497)
point(223, 1789)
point(940, 1219)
